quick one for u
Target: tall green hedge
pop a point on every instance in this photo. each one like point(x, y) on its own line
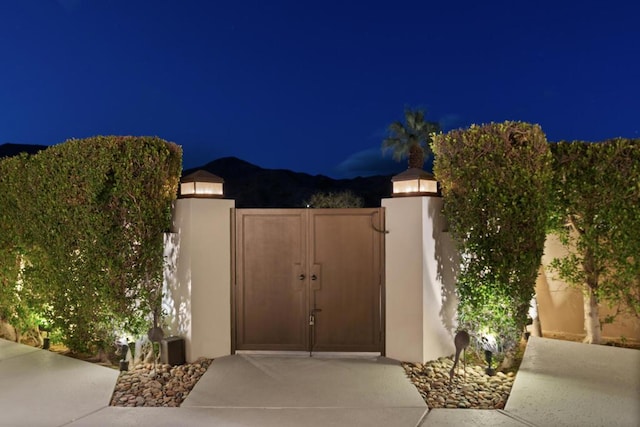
point(495, 181)
point(85, 219)
point(597, 213)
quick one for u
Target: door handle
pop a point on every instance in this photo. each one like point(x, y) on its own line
point(301, 277)
point(314, 277)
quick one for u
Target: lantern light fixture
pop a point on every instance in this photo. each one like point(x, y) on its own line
point(201, 184)
point(415, 182)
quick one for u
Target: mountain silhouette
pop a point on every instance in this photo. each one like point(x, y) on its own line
point(254, 187)
point(8, 149)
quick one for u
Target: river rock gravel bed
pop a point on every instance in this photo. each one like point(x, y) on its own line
point(165, 385)
point(162, 385)
point(475, 391)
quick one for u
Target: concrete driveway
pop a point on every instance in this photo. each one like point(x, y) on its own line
point(559, 383)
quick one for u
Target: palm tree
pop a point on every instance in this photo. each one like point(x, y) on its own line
point(411, 139)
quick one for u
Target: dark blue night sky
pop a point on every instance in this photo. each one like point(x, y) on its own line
point(312, 86)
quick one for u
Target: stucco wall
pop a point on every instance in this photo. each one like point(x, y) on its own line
point(421, 266)
point(419, 280)
point(198, 277)
point(560, 306)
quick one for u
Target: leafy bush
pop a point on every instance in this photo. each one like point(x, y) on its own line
point(597, 215)
point(83, 224)
point(343, 199)
point(495, 181)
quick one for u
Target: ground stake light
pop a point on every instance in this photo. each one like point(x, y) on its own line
point(124, 363)
point(488, 356)
point(46, 342)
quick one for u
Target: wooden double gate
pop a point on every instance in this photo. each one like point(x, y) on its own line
point(308, 279)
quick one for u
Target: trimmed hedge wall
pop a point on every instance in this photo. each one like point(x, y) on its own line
point(81, 236)
point(495, 181)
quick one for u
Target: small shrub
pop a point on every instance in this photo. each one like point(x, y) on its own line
point(343, 199)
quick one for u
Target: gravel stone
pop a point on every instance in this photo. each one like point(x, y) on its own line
point(168, 386)
point(475, 390)
point(165, 386)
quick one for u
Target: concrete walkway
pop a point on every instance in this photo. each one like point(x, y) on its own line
point(270, 391)
point(41, 388)
point(559, 383)
point(569, 383)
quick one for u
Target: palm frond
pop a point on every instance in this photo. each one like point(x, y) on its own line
point(414, 132)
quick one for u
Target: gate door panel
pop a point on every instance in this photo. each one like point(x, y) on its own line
point(272, 296)
point(345, 257)
point(309, 279)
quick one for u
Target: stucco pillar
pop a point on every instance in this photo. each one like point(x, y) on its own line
point(420, 269)
point(197, 299)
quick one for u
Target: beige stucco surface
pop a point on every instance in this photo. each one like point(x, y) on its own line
point(198, 278)
point(560, 306)
point(419, 281)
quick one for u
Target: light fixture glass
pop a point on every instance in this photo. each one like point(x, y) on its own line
point(201, 184)
point(414, 182)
